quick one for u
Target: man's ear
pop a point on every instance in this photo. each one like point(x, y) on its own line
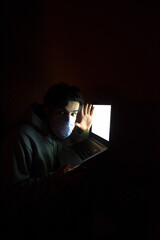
point(47, 112)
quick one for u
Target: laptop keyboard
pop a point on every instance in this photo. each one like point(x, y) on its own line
point(86, 149)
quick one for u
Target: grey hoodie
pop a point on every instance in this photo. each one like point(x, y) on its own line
point(30, 160)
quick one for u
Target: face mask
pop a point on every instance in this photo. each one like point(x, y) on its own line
point(63, 126)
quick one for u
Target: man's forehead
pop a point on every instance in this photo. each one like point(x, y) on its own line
point(72, 106)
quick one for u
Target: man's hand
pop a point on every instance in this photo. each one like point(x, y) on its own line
point(86, 117)
point(63, 176)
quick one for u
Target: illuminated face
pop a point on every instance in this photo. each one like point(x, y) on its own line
point(62, 120)
point(71, 109)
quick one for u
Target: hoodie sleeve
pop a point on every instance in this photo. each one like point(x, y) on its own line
point(77, 136)
point(19, 188)
point(80, 135)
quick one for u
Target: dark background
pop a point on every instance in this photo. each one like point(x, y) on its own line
point(110, 49)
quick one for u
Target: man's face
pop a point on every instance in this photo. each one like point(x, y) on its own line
point(69, 111)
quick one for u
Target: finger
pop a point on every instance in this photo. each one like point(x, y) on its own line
point(78, 173)
point(92, 111)
point(86, 109)
point(67, 167)
point(77, 124)
point(75, 167)
point(82, 111)
point(89, 108)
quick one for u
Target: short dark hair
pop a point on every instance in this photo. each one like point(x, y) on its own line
point(58, 95)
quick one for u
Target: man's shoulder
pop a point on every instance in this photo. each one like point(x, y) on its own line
point(28, 130)
point(25, 128)
point(20, 130)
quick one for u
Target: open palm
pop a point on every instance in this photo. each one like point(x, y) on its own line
point(86, 117)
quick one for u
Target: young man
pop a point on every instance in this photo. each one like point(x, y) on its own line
point(32, 175)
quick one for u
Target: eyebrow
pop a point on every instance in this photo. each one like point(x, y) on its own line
point(76, 110)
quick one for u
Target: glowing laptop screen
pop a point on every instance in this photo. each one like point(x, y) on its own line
point(101, 121)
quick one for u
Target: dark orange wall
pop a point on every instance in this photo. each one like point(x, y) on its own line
point(108, 50)
point(111, 51)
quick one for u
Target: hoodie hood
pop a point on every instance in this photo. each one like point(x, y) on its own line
point(35, 117)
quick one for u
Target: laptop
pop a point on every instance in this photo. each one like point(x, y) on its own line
point(97, 143)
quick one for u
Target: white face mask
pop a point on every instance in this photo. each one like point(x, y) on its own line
point(63, 126)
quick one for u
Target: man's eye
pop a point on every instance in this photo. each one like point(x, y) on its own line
point(74, 114)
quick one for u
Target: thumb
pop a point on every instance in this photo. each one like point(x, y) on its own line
point(77, 124)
